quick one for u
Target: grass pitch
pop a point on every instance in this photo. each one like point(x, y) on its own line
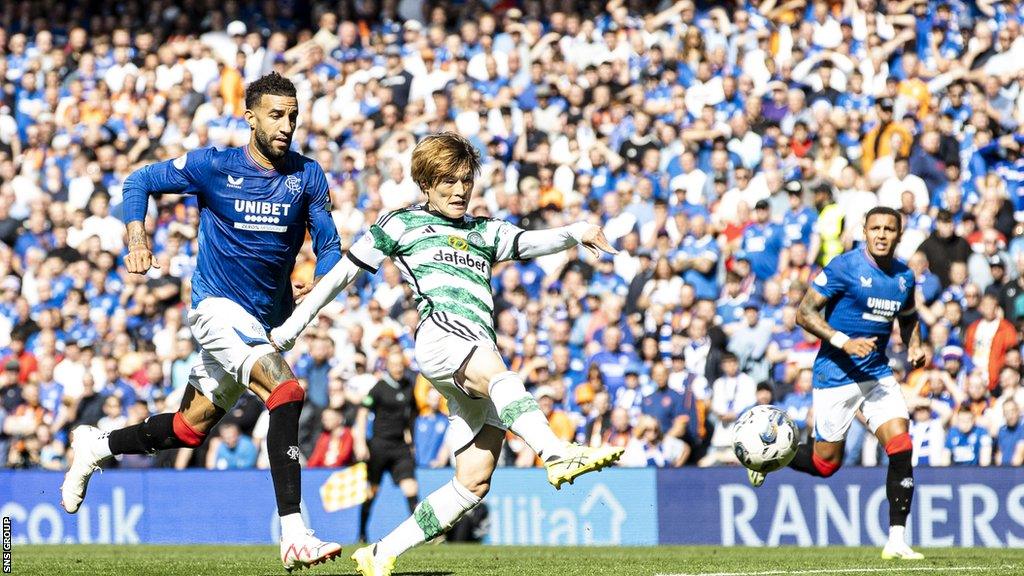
point(463, 560)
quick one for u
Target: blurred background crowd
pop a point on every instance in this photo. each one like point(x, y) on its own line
point(730, 149)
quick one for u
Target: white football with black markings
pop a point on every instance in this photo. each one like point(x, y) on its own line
point(765, 439)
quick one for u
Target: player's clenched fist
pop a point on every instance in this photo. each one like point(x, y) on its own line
point(859, 347)
point(139, 260)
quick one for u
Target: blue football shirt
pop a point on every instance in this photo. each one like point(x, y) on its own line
point(252, 223)
point(863, 302)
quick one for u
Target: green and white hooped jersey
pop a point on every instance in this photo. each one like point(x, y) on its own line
point(447, 262)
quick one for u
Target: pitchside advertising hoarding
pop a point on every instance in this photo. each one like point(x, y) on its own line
point(198, 506)
point(952, 507)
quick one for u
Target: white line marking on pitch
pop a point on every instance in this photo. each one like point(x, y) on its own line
point(840, 571)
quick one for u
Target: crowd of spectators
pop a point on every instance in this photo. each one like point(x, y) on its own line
point(730, 149)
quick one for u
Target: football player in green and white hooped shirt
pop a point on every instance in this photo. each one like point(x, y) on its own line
point(446, 255)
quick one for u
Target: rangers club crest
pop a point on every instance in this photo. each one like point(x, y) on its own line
point(903, 284)
point(293, 183)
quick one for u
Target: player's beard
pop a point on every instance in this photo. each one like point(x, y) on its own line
point(266, 145)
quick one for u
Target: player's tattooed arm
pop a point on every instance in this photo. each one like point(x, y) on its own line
point(137, 235)
point(139, 258)
point(810, 317)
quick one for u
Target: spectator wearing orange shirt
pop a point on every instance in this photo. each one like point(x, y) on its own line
point(989, 337)
point(878, 142)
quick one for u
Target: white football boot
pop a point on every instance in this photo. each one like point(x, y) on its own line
point(88, 452)
point(900, 551)
point(306, 551)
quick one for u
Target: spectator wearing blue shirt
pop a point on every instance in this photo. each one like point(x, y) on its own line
point(762, 243)
point(315, 369)
point(630, 396)
point(605, 280)
point(429, 431)
point(666, 405)
point(1010, 439)
point(613, 360)
point(234, 451)
point(966, 443)
point(784, 339)
point(697, 260)
point(749, 338)
point(798, 222)
point(926, 281)
point(729, 308)
point(797, 403)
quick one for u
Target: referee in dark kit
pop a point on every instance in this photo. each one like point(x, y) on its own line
point(389, 449)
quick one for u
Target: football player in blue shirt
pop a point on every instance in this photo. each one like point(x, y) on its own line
point(851, 307)
point(256, 203)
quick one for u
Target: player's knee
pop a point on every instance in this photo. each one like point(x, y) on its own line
point(284, 393)
point(186, 433)
point(826, 467)
point(478, 484)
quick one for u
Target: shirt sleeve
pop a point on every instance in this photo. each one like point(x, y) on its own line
point(506, 242)
point(909, 307)
point(182, 175)
point(829, 282)
point(326, 244)
point(376, 244)
point(369, 400)
point(514, 243)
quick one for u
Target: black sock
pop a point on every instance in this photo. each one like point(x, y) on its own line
point(412, 501)
point(364, 518)
point(899, 487)
point(283, 452)
point(152, 434)
point(802, 462)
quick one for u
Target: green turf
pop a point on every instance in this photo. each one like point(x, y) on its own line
point(462, 560)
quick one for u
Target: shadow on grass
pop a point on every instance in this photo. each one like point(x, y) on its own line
point(395, 574)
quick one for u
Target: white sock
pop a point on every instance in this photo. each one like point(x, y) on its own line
point(433, 517)
point(292, 526)
point(520, 413)
point(897, 534)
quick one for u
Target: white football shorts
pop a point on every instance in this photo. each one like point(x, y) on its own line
point(230, 342)
point(444, 345)
point(835, 408)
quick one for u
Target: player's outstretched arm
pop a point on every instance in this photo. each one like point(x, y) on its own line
point(810, 317)
point(173, 176)
point(326, 290)
point(535, 243)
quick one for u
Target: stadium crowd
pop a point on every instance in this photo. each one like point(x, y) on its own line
point(729, 149)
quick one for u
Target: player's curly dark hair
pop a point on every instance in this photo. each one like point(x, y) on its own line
point(273, 84)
